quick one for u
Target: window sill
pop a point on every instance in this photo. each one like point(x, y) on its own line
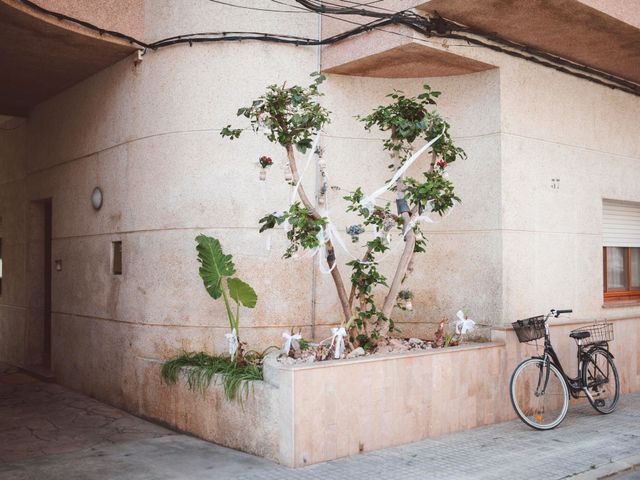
point(621, 303)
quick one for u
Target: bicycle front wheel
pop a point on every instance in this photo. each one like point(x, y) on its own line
point(539, 394)
point(600, 376)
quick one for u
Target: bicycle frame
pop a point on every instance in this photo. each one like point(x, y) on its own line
point(576, 385)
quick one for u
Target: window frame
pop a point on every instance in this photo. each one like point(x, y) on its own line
point(620, 294)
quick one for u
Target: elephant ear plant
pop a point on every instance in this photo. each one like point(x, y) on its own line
point(216, 271)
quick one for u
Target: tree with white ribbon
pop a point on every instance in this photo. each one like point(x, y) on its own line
point(292, 117)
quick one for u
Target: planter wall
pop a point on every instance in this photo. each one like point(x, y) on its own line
point(250, 426)
point(343, 408)
point(305, 414)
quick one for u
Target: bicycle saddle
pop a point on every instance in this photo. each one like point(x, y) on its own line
point(579, 335)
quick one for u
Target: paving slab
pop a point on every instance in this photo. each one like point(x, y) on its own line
point(49, 432)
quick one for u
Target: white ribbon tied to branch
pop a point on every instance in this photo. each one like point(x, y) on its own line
point(288, 338)
point(368, 202)
point(232, 339)
point(464, 325)
point(337, 339)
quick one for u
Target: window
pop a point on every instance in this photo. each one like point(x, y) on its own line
point(621, 273)
point(621, 252)
point(116, 258)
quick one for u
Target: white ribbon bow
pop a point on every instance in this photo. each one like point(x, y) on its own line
point(464, 325)
point(232, 338)
point(288, 339)
point(338, 340)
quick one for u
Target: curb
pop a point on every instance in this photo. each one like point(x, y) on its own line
point(608, 470)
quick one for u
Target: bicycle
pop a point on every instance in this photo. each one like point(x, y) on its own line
point(539, 386)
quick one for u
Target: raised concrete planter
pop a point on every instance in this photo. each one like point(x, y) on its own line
point(305, 414)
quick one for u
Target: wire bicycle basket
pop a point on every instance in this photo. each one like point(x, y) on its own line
point(598, 333)
point(529, 329)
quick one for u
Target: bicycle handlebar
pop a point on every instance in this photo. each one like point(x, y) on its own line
point(556, 313)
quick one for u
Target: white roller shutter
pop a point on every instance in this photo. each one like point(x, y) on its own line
point(620, 224)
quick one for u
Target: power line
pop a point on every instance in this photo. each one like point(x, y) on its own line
point(371, 25)
point(427, 26)
point(442, 27)
point(101, 31)
point(258, 8)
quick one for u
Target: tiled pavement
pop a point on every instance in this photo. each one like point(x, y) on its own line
point(48, 432)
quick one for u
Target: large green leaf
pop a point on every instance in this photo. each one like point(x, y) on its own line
point(214, 264)
point(242, 293)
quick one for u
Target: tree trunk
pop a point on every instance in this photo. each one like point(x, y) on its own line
point(403, 264)
point(331, 258)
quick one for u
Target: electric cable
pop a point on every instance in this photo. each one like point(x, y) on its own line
point(429, 26)
point(441, 27)
point(258, 8)
point(90, 26)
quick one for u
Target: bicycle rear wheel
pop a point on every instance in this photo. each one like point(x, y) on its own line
point(600, 376)
point(539, 394)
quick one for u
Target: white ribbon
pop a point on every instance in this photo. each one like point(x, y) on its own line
point(288, 339)
point(368, 202)
point(464, 325)
point(337, 339)
point(418, 219)
point(232, 338)
point(331, 233)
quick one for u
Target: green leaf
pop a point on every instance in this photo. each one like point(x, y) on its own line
point(242, 293)
point(214, 264)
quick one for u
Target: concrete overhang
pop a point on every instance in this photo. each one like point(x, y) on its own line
point(41, 56)
point(395, 53)
point(603, 35)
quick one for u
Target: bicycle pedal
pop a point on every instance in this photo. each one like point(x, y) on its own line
point(599, 403)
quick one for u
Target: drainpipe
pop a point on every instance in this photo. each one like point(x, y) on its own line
point(314, 282)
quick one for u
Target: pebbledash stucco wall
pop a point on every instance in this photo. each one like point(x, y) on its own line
point(148, 135)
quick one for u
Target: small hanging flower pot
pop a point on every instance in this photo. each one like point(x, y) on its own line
point(404, 300)
point(355, 231)
point(265, 162)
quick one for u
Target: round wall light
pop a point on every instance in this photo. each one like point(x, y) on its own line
point(96, 198)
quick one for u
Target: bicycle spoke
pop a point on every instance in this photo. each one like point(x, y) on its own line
point(600, 377)
point(539, 394)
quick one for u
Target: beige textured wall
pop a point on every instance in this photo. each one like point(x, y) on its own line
point(149, 136)
point(556, 126)
point(13, 300)
point(464, 248)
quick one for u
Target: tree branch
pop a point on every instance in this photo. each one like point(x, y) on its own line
point(331, 258)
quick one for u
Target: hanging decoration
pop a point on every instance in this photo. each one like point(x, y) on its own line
point(355, 231)
point(404, 300)
point(265, 162)
point(288, 340)
point(337, 341)
point(232, 339)
point(464, 324)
